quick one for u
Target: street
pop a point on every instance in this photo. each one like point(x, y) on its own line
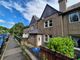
point(13, 51)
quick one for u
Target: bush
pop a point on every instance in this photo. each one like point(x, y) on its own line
point(78, 59)
point(63, 45)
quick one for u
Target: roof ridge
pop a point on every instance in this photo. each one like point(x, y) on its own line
point(74, 6)
point(50, 8)
point(34, 19)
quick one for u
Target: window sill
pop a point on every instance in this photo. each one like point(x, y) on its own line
point(75, 22)
point(48, 27)
point(46, 41)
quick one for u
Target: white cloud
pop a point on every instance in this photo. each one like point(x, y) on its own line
point(6, 4)
point(33, 7)
point(36, 7)
point(10, 23)
point(18, 7)
point(71, 2)
point(10, 5)
point(2, 21)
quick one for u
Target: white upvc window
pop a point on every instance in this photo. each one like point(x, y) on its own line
point(48, 24)
point(25, 35)
point(47, 37)
point(74, 17)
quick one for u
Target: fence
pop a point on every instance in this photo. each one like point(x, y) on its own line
point(77, 52)
point(47, 54)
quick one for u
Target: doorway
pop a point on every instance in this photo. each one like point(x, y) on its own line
point(39, 40)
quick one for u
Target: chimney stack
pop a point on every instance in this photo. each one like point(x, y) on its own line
point(62, 5)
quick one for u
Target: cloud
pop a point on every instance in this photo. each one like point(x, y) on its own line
point(71, 2)
point(9, 5)
point(36, 7)
point(33, 7)
point(10, 23)
point(2, 21)
point(18, 7)
point(6, 4)
point(6, 24)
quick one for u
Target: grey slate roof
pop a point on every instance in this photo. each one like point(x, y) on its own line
point(33, 20)
point(73, 6)
point(35, 31)
point(26, 30)
point(48, 11)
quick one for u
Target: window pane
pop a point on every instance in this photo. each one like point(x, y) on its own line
point(74, 17)
point(46, 38)
point(50, 23)
point(50, 36)
point(46, 24)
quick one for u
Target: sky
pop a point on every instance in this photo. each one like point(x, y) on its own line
point(14, 11)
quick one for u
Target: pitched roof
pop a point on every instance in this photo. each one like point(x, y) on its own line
point(33, 20)
point(72, 8)
point(48, 11)
point(35, 31)
point(26, 30)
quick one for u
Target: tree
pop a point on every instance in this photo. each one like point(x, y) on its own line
point(26, 27)
point(17, 29)
point(3, 30)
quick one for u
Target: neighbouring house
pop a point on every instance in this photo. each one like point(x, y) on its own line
point(53, 23)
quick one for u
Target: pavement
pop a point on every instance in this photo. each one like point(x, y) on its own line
point(13, 51)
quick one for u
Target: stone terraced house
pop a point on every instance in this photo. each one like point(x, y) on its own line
point(53, 23)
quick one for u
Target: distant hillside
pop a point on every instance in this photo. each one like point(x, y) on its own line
point(3, 30)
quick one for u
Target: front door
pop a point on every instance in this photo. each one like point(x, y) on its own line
point(39, 40)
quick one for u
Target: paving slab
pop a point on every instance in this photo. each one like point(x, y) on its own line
point(13, 51)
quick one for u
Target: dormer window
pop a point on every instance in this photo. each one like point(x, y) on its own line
point(74, 17)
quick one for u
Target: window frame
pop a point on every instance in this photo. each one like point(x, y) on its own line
point(45, 24)
point(48, 37)
point(74, 21)
point(49, 23)
point(45, 38)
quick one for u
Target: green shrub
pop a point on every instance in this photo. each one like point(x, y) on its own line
point(78, 59)
point(63, 45)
